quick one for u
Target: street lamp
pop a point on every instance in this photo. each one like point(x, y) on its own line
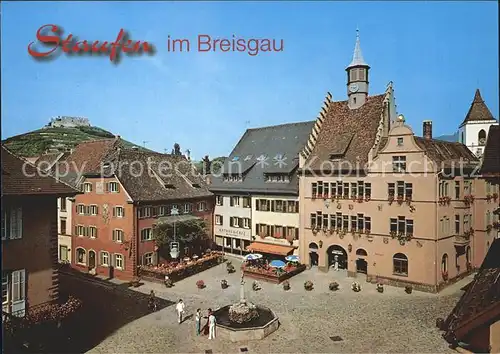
point(174, 246)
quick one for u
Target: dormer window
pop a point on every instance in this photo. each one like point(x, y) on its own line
point(196, 185)
point(248, 157)
point(261, 157)
point(233, 177)
point(335, 157)
point(169, 186)
point(277, 178)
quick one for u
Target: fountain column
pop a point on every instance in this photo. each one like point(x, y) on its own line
point(242, 290)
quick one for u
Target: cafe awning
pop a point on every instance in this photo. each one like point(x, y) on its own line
point(270, 248)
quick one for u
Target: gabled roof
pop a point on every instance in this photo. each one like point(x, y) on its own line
point(347, 134)
point(267, 150)
point(445, 152)
point(480, 304)
point(478, 110)
point(151, 176)
point(19, 177)
point(491, 155)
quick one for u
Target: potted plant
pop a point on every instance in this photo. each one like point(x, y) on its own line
point(308, 285)
point(200, 284)
point(488, 197)
point(286, 285)
point(488, 228)
point(390, 199)
point(380, 287)
point(408, 289)
point(313, 196)
point(169, 283)
point(495, 196)
point(408, 200)
point(223, 284)
point(230, 268)
point(333, 286)
point(356, 287)
point(256, 286)
point(136, 282)
point(360, 199)
point(400, 199)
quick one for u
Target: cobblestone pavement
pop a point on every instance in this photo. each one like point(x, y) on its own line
point(368, 321)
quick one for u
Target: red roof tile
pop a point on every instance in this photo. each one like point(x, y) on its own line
point(19, 177)
point(348, 133)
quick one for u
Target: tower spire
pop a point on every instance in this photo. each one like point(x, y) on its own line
point(357, 57)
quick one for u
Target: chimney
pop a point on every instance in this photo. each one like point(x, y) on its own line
point(427, 129)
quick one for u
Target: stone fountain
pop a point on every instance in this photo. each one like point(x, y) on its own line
point(244, 320)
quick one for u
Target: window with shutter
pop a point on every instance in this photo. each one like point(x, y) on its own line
point(222, 220)
point(272, 205)
point(240, 222)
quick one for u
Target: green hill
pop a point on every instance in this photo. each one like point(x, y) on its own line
point(56, 139)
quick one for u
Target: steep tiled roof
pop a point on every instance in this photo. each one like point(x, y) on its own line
point(48, 161)
point(478, 110)
point(271, 143)
point(88, 156)
point(445, 152)
point(22, 178)
point(347, 133)
point(480, 304)
point(491, 154)
point(150, 176)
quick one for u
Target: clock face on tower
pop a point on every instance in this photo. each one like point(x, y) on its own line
point(353, 87)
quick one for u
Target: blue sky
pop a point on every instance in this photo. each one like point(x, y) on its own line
point(436, 53)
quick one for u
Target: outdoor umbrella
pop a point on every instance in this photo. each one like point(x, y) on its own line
point(253, 256)
point(292, 258)
point(277, 264)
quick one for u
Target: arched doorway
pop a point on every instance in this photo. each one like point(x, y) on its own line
point(336, 253)
point(91, 259)
point(313, 254)
point(361, 263)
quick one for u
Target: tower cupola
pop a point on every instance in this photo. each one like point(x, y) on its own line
point(357, 77)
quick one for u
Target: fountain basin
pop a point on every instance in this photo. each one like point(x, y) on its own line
point(258, 328)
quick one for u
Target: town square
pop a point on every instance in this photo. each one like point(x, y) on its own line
point(281, 177)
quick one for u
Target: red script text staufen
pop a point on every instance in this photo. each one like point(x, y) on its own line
point(51, 36)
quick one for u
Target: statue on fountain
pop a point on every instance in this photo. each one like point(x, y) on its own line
point(243, 311)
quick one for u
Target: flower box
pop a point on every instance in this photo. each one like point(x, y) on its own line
point(489, 228)
point(200, 284)
point(494, 196)
point(176, 271)
point(400, 199)
point(313, 196)
point(273, 275)
point(468, 199)
point(390, 199)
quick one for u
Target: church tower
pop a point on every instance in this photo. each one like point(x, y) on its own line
point(474, 129)
point(357, 77)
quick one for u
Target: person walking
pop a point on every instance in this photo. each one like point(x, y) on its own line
point(180, 310)
point(211, 325)
point(152, 301)
point(198, 321)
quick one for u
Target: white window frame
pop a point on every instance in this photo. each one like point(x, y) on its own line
point(93, 209)
point(118, 235)
point(80, 208)
point(61, 247)
point(150, 234)
point(246, 223)
point(162, 210)
point(104, 258)
point(145, 257)
point(188, 208)
point(113, 187)
point(202, 206)
point(15, 286)
point(84, 256)
point(13, 223)
point(87, 187)
point(121, 213)
point(122, 260)
point(219, 200)
point(80, 228)
point(399, 164)
point(92, 232)
point(218, 219)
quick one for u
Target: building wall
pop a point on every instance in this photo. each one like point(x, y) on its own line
point(470, 132)
point(232, 239)
point(274, 218)
point(105, 223)
point(495, 337)
point(64, 236)
point(34, 252)
point(145, 247)
point(432, 238)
